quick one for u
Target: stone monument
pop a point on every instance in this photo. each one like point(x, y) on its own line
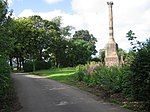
point(111, 56)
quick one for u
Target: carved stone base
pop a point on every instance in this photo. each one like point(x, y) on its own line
point(110, 61)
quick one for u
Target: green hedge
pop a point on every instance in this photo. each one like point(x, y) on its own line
point(5, 86)
point(39, 65)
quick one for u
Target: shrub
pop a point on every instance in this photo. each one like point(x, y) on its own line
point(140, 79)
point(80, 71)
point(39, 65)
point(5, 85)
point(112, 78)
point(109, 78)
point(28, 66)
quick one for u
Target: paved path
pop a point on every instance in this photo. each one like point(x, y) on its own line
point(37, 94)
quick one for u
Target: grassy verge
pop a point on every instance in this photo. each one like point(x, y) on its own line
point(64, 75)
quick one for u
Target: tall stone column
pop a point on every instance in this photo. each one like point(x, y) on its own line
point(111, 32)
point(111, 57)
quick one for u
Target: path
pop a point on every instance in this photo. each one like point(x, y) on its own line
point(37, 94)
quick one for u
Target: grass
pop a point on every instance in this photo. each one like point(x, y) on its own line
point(64, 75)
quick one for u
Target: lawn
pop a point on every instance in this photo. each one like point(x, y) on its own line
point(65, 75)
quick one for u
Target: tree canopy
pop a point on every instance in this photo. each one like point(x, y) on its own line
point(37, 39)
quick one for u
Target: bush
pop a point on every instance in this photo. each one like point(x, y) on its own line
point(80, 72)
point(140, 79)
point(39, 65)
point(109, 78)
point(5, 85)
point(112, 78)
point(28, 66)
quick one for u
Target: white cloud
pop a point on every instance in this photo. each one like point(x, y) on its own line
point(26, 13)
point(53, 1)
point(83, 6)
point(93, 16)
point(10, 2)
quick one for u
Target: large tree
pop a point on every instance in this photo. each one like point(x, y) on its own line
point(5, 23)
point(82, 47)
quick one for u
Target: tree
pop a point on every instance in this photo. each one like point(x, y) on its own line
point(140, 66)
point(86, 36)
point(5, 23)
point(5, 47)
point(35, 40)
point(81, 48)
point(102, 55)
point(3, 11)
point(62, 44)
point(141, 75)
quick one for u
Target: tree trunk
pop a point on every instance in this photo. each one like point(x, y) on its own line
point(20, 63)
point(33, 66)
point(11, 63)
point(17, 63)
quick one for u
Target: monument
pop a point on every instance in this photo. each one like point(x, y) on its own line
point(111, 56)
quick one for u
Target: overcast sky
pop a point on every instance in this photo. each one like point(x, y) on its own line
point(93, 15)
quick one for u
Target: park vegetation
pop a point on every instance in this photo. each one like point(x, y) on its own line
point(126, 84)
point(41, 44)
point(7, 93)
point(33, 43)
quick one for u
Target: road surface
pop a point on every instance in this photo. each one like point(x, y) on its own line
point(37, 94)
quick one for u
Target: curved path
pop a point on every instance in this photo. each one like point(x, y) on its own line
point(37, 94)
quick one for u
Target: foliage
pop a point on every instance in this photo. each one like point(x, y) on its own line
point(102, 55)
point(28, 65)
point(140, 79)
point(3, 11)
point(36, 39)
point(136, 45)
point(5, 85)
point(122, 54)
point(5, 23)
point(81, 47)
point(109, 78)
point(6, 42)
point(95, 59)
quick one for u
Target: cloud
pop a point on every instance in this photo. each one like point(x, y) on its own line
point(10, 2)
point(26, 13)
point(83, 6)
point(53, 1)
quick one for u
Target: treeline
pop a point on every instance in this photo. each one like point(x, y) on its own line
point(39, 44)
point(130, 81)
point(7, 96)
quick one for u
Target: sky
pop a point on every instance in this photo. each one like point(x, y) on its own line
point(93, 15)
